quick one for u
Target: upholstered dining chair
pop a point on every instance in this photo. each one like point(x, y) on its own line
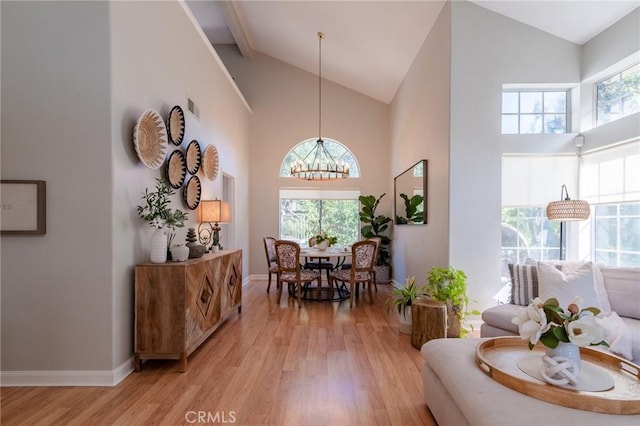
point(290, 271)
point(272, 263)
point(378, 242)
point(361, 272)
point(317, 263)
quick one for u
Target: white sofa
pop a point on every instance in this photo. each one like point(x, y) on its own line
point(622, 290)
point(459, 393)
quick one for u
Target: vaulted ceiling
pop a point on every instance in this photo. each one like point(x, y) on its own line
point(370, 45)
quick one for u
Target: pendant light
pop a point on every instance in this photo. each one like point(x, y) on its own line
point(318, 164)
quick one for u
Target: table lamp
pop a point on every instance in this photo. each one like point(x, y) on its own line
point(213, 213)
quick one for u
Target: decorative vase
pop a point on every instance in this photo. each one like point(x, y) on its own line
point(567, 350)
point(561, 366)
point(180, 252)
point(159, 246)
point(322, 246)
point(405, 320)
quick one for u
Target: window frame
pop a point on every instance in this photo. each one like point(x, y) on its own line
point(542, 90)
point(594, 232)
point(619, 99)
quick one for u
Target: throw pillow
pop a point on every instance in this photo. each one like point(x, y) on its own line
point(524, 283)
point(565, 287)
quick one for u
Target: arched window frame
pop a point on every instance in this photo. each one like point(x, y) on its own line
point(338, 150)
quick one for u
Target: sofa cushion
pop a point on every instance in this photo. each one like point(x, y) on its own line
point(500, 316)
point(524, 283)
point(634, 331)
point(565, 287)
point(623, 289)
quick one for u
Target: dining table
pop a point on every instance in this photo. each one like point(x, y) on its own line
point(338, 256)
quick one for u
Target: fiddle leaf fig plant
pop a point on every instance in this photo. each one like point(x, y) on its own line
point(412, 208)
point(375, 225)
point(449, 285)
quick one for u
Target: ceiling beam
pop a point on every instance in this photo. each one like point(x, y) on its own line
point(237, 29)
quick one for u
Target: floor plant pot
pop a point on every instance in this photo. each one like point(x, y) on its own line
point(405, 321)
point(383, 275)
point(454, 323)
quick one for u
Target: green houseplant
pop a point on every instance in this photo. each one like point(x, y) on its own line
point(401, 298)
point(376, 225)
point(449, 285)
point(412, 208)
point(156, 211)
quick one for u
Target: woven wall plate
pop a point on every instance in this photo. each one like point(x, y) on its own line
point(194, 157)
point(191, 192)
point(150, 139)
point(210, 162)
point(176, 169)
point(176, 125)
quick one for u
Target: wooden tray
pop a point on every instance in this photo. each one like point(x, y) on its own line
point(497, 358)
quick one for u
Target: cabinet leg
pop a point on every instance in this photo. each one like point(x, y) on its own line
point(137, 363)
point(183, 362)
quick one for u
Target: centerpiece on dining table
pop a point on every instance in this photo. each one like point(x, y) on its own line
point(323, 241)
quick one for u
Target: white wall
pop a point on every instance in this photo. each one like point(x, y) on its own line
point(284, 100)
point(488, 50)
point(420, 130)
point(75, 78)
point(159, 59)
point(56, 288)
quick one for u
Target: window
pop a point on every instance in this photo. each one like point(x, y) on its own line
point(617, 234)
point(618, 95)
point(526, 233)
point(534, 112)
point(338, 151)
point(303, 213)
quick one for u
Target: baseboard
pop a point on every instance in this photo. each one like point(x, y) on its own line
point(67, 377)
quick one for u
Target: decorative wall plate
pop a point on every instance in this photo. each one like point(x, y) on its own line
point(150, 139)
point(210, 162)
point(194, 157)
point(175, 125)
point(176, 169)
point(191, 192)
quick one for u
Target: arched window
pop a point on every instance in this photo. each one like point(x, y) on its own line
point(338, 151)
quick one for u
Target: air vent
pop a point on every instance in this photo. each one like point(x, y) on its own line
point(193, 108)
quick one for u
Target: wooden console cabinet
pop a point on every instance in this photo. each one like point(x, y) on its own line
point(179, 304)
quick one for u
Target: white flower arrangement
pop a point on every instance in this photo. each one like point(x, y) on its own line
point(549, 324)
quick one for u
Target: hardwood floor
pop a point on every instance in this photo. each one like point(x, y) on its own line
point(323, 364)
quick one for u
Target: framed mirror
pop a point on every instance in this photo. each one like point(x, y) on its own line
point(410, 195)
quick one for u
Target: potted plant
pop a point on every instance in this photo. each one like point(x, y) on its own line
point(324, 241)
point(157, 213)
point(402, 297)
point(449, 285)
point(376, 225)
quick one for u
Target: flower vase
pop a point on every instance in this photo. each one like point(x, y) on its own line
point(322, 246)
point(159, 246)
point(567, 350)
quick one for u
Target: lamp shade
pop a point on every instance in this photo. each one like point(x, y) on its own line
point(568, 210)
point(217, 211)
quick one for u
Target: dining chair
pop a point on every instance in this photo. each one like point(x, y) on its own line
point(316, 263)
point(289, 270)
point(272, 263)
point(378, 242)
point(361, 272)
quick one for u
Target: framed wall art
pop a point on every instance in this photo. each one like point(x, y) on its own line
point(23, 207)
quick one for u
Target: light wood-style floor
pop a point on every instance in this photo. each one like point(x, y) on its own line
point(324, 364)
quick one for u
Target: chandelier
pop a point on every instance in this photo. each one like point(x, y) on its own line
point(319, 164)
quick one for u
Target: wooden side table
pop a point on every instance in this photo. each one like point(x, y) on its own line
point(429, 321)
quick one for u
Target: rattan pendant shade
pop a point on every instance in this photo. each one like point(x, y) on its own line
point(567, 209)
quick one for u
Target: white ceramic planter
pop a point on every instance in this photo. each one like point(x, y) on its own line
point(159, 246)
